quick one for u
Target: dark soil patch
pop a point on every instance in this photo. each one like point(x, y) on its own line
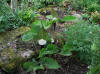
point(69, 65)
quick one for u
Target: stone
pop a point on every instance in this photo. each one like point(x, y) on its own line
point(11, 56)
point(78, 16)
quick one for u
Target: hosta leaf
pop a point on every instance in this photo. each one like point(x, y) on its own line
point(27, 36)
point(51, 49)
point(49, 63)
point(69, 18)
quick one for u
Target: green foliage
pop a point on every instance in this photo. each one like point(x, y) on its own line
point(34, 65)
point(49, 63)
point(95, 17)
point(93, 7)
point(86, 5)
point(38, 29)
point(49, 16)
point(51, 49)
point(84, 39)
point(84, 35)
point(67, 49)
point(43, 62)
point(36, 26)
point(85, 16)
point(95, 64)
point(27, 15)
point(43, 3)
point(68, 18)
point(46, 24)
point(8, 19)
point(27, 36)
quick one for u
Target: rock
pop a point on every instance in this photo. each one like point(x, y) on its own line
point(11, 56)
point(78, 16)
point(10, 60)
point(27, 54)
point(42, 42)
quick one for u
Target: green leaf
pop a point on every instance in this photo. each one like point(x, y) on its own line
point(69, 18)
point(49, 63)
point(85, 15)
point(66, 50)
point(66, 53)
point(36, 26)
point(32, 66)
point(27, 36)
point(49, 17)
point(51, 49)
point(46, 24)
point(36, 15)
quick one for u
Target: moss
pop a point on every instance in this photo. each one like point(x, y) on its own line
point(49, 10)
point(12, 60)
point(11, 35)
point(9, 59)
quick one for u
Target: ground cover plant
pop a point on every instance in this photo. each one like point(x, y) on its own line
point(50, 37)
point(85, 36)
point(8, 19)
point(86, 5)
point(39, 28)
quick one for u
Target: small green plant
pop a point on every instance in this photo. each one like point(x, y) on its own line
point(38, 31)
point(42, 3)
point(95, 17)
point(43, 61)
point(85, 16)
point(68, 18)
point(84, 39)
point(95, 64)
point(93, 7)
point(8, 19)
point(51, 49)
point(39, 27)
point(84, 35)
point(67, 49)
point(86, 5)
point(28, 15)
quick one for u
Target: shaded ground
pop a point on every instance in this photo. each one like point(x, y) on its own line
point(68, 66)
